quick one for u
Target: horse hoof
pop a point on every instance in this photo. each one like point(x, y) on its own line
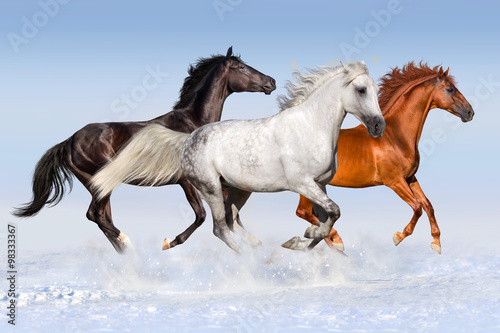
point(397, 238)
point(339, 246)
point(436, 248)
point(166, 244)
point(292, 243)
point(123, 240)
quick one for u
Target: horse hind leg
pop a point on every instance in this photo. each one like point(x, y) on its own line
point(235, 200)
point(426, 204)
point(100, 213)
point(403, 190)
point(211, 191)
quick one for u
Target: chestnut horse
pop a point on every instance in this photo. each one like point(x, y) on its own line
point(406, 96)
point(201, 100)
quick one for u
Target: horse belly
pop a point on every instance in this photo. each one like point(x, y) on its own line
point(254, 177)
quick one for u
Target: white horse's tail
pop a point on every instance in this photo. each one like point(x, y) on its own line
point(151, 157)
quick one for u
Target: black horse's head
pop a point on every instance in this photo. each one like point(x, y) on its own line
point(241, 77)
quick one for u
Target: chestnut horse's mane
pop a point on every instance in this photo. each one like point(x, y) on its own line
point(396, 82)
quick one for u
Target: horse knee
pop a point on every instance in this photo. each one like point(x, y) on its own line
point(417, 210)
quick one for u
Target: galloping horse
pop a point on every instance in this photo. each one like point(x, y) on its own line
point(406, 96)
point(201, 100)
point(292, 150)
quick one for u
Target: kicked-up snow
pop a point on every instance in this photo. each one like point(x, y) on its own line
point(205, 287)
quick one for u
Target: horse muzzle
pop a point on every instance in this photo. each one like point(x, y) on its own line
point(270, 86)
point(467, 115)
point(376, 127)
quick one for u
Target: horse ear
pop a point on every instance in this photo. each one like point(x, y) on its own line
point(440, 73)
point(363, 62)
point(446, 73)
point(343, 66)
point(229, 52)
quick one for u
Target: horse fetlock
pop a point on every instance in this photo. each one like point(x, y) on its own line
point(315, 232)
point(218, 232)
point(311, 231)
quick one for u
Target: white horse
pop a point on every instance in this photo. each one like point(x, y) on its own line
point(294, 150)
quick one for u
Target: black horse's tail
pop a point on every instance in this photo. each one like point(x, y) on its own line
point(51, 172)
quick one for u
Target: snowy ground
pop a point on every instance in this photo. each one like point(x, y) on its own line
point(206, 287)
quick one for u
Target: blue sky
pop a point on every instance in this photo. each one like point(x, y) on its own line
point(84, 55)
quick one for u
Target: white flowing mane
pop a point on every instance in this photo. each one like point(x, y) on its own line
point(304, 85)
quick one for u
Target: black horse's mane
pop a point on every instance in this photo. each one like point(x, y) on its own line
point(196, 74)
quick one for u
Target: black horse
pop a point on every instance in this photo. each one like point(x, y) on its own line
point(201, 100)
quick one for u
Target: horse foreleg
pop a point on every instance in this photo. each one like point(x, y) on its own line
point(194, 200)
point(328, 212)
point(305, 211)
point(426, 204)
point(404, 191)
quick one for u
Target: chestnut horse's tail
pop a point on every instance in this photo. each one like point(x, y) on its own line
point(151, 157)
point(51, 173)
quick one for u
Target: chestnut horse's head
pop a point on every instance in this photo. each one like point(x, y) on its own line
point(446, 96)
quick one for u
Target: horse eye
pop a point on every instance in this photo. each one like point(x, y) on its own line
point(242, 66)
point(362, 91)
point(449, 89)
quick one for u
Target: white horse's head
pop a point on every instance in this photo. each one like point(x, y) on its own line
point(359, 98)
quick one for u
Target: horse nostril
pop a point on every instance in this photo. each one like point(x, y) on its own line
point(377, 128)
point(469, 113)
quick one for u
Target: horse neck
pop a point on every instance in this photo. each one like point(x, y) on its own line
point(208, 98)
point(407, 116)
point(325, 114)
point(206, 106)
